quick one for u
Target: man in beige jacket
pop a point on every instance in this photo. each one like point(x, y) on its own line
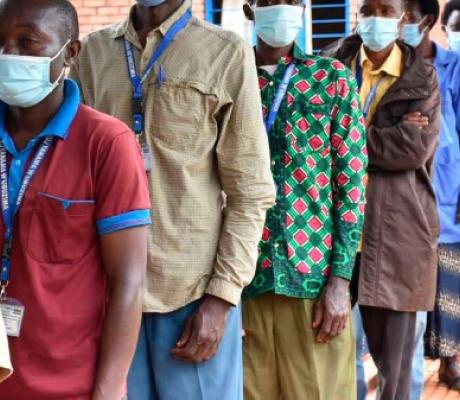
point(5, 363)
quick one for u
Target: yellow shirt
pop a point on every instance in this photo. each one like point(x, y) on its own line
point(389, 72)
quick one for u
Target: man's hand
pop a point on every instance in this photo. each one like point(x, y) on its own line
point(203, 331)
point(330, 313)
point(417, 119)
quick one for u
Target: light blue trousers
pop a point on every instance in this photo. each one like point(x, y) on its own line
point(156, 375)
point(361, 350)
point(418, 375)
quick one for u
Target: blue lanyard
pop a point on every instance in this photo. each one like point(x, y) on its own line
point(137, 81)
point(280, 94)
point(373, 92)
point(8, 212)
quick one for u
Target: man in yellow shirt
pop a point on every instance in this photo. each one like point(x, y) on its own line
point(398, 263)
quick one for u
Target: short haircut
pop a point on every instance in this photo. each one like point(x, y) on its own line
point(451, 6)
point(66, 15)
point(429, 7)
point(68, 18)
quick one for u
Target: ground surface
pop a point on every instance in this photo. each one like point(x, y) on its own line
point(433, 390)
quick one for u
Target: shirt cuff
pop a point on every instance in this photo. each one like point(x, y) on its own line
point(224, 290)
point(126, 220)
point(343, 272)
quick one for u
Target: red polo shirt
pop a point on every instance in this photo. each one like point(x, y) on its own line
point(91, 182)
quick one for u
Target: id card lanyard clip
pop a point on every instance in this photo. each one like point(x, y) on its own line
point(280, 94)
point(6, 255)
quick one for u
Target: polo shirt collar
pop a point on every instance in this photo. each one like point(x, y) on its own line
point(60, 123)
point(126, 28)
point(392, 65)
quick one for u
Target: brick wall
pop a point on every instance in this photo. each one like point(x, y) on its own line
point(94, 14)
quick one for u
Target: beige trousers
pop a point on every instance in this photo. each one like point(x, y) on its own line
point(282, 359)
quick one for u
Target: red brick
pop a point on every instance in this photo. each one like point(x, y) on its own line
point(94, 3)
point(87, 11)
point(108, 11)
point(119, 3)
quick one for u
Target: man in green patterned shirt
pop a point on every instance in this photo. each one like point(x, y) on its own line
point(296, 313)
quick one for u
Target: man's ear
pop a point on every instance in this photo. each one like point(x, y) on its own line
point(427, 23)
point(404, 19)
point(249, 14)
point(72, 52)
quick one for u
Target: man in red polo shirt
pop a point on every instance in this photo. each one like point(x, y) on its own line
point(74, 204)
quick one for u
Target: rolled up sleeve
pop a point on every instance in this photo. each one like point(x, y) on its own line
point(243, 159)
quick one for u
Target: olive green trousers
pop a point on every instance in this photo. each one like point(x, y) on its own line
point(282, 359)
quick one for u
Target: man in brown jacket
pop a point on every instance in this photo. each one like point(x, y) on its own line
point(401, 101)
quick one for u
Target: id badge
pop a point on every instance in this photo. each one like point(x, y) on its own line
point(147, 156)
point(13, 314)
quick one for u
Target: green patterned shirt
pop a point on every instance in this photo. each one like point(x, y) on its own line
point(319, 161)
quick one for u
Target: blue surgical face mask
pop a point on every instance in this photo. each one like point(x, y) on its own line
point(150, 3)
point(278, 25)
point(411, 35)
point(378, 33)
point(453, 38)
point(25, 80)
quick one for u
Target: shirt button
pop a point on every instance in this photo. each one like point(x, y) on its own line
point(17, 162)
point(273, 163)
point(271, 83)
point(276, 245)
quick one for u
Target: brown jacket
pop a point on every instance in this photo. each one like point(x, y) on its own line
point(399, 259)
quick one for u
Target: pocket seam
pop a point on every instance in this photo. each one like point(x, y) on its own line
point(66, 203)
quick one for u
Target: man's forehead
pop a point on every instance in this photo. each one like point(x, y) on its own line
point(35, 15)
point(411, 4)
point(393, 3)
point(413, 8)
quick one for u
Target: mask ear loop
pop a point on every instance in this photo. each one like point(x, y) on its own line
point(60, 50)
point(422, 22)
point(62, 74)
point(400, 20)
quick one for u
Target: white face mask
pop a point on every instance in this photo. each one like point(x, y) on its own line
point(278, 25)
point(378, 33)
point(25, 80)
point(453, 38)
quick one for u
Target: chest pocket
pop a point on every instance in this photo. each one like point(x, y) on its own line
point(181, 116)
point(61, 231)
point(309, 128)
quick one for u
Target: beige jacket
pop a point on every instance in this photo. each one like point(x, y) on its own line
point(203, 123)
